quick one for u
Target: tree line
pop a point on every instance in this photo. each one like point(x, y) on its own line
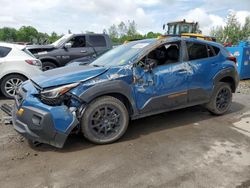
point(27, 34)
point(233, 31)
point(126, 32)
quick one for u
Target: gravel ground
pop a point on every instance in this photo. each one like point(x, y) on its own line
point(244, 87)
point(183, 148)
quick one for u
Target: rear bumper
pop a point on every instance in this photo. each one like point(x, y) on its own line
point(39, 125)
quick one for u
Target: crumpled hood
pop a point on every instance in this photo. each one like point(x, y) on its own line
point(67, 75)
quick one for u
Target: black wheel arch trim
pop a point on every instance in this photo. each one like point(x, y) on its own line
point(49, 59)
point(227, 73)
point(108, 88)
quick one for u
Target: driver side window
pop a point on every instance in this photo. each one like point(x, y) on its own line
point(165, 54)
point(78, 42)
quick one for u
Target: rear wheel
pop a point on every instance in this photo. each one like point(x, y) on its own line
point(221, 99)
point(105, 120)
point(48, 65)
point(10, 84)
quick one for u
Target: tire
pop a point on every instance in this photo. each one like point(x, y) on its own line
point(10, 84)
point(221, 99)
point(103, 129)
point(48, 65)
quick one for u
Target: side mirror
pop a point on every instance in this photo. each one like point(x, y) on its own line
point(67, 45)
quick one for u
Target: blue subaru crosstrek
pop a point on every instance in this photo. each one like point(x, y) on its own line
point(134, 80)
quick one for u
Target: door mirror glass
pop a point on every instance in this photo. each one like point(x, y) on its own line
point(68, 45)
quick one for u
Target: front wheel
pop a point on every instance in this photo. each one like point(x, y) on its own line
point(105, 120)
point(221, 99)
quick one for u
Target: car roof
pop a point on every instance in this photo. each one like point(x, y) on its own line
point(212, 43)
point(172, 39)
point(11, 45)
point(152, 40)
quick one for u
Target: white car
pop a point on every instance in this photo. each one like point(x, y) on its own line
point(17, 64)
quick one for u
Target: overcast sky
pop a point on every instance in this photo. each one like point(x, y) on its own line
point(96, 15)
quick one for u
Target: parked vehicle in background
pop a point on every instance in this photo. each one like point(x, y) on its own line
point(134, 80)
point(186, 29)
point(242, 53)
point(70, 47)
point(17, 64)
point(85, 60)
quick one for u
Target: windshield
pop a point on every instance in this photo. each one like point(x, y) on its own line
point(171, 29)
point(121, 55)
point(186, 28)
point(61, 40)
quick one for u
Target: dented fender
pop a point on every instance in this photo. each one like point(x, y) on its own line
point(110, 87)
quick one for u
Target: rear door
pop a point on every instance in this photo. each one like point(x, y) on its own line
point(203, 63)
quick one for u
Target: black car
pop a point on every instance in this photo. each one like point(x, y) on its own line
point(85, 60)
point(70, 47)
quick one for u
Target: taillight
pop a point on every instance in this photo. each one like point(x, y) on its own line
point(34, 62)
point(232, 58)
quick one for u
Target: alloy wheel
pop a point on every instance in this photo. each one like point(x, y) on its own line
point(105, 121)
point(223, 99)
point(12, 85)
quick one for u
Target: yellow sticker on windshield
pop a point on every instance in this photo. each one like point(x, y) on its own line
point(122, 62)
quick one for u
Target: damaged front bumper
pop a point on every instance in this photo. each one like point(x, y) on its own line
point(41, 123)
point(38, 126)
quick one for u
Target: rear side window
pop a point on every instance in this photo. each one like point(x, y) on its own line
point(213, 51)
point(4, 51)
point(196, 50)
point(216, 50)
point(97, 41)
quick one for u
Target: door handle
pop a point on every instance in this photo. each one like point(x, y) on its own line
point(214, 64)
point(83, 51)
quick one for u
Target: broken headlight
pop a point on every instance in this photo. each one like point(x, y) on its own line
point(54, 96)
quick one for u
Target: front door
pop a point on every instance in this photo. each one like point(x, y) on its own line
point(78, 49)
point(165, 86)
